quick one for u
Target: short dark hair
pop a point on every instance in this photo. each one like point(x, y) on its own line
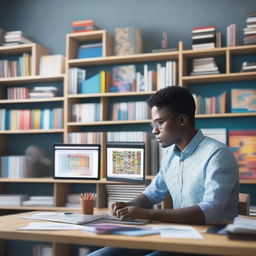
point(177, 99)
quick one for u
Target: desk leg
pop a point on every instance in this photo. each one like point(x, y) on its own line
point(1, 248)
point(60, 249)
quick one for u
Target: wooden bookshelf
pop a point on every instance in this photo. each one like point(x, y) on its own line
point(62, 187)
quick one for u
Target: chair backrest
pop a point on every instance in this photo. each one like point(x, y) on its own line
point(244, 204)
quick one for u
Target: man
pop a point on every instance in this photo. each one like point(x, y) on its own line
point(199, 173)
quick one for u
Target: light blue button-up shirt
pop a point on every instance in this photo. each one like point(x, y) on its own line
point(204, 173)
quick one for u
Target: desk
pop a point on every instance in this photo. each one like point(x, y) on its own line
point(211, 244)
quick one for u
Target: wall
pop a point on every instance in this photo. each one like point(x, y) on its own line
point(48, 21)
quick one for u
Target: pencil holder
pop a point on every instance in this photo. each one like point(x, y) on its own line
point(87, 206)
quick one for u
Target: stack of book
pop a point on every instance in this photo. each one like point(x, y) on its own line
point(252, 210)
point(84, 26)
point(76, 77)
point(84, 137)
point(45, 201)
point(12, 200)
point(123, 193)
point(13, 68)
point(13, 167)
point(92, 50)
point(73, 201)
point(40, 92)
point(14, 93)
point(211, 105)
point(16, 38)
point(26, 119)
point(98, 83)
point(204, 66)
point(242, 228)
point(204, 37)
point(86, 112)
point(137, 110)
point(51, 65)
point(248, 66)
point(232, 35)
point(250, 30)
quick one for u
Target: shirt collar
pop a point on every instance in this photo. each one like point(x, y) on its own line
point(189, 149)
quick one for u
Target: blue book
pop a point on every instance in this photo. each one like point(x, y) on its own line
point(91, 85)
point(89, 52)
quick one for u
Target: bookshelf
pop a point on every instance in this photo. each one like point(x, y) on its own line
point(35, 51)
point(61, 188)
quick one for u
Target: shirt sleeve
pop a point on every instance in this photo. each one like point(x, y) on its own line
point(157, 189)
point(220, 182)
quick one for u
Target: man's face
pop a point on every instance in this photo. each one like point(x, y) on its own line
point(166, 127)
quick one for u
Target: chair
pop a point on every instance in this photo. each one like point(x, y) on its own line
point(244, 204)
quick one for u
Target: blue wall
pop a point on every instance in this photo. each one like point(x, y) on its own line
point(48, 21)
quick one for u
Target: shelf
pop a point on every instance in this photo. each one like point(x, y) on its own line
point(109, 123)
point(204, 52)
point(63, 181)
point(243, 76)
point(109, 94)
point(31, 79)
point(31, 131)
point(136, 58)
point(225, 115)
point(54, 99)
point(13, 49)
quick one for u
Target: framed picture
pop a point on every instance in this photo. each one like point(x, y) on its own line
point(126, 161)
point(76, 161)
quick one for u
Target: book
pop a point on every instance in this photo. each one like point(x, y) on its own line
point(91, 85)
point(123, 79)
point(107, 228)
point(90, 51)
point(243, 145)
point(242, 228)
point(51, 65)
point(203, 29)
point(243, 100)
point(128, 41)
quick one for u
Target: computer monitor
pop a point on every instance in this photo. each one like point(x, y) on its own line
point(76, 161)
point(126, 161)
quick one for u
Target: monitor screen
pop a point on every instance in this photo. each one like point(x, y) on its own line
point(126, 161)
point(76, 161)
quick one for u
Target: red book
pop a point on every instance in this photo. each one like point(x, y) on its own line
point(203, 29)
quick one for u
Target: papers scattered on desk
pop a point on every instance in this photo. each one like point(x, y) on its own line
point(50, 226)
point(66, 217)
point(178, 231)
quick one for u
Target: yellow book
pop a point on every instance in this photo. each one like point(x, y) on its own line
point(37, 118)
point(103, 81)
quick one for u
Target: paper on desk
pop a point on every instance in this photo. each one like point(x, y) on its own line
point(50, 226)
point(178, 231)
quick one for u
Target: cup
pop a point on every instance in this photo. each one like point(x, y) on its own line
point(87, 206)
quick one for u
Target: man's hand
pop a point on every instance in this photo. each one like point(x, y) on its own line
point(133, 212)
point(116, 206)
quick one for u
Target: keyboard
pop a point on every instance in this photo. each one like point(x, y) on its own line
point(66, 217)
